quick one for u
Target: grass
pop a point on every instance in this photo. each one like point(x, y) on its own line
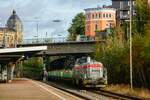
point(125, 89)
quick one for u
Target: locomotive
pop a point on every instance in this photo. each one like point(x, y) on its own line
point(85, 72)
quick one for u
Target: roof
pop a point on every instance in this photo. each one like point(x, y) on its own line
point(14, 22)
point(23, 49)
point(100, 8)
point(14, 54)
point(3, 28)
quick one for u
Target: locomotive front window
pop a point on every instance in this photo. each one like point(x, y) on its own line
point(95, 70)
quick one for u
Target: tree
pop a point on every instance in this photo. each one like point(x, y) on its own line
point(77, 27)
point(116, 53)
point(33, 68)
point(142, 16)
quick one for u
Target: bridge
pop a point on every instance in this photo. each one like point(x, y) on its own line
point(60, 46)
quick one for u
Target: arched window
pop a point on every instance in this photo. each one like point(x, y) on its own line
point(96, 16)
point(99, 15)
point(109, 15)
point(106, 15)
point(103, 15)
point(93, 16)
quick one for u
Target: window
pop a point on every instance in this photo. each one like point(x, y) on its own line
point(96, 16)
point(103, 15)
point(99, 15)
point(109, 15)
point(93, 16)
point(134, 2)
point(96, 27)
point(128, 3)
point(106, 15)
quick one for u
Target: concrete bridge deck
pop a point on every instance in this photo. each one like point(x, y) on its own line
point(25, 89)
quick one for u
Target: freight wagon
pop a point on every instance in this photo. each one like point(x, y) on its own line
point(85, 72)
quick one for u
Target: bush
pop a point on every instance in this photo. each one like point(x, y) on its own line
point(33, 68)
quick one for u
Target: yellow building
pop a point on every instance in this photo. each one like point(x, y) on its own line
point(12, 33)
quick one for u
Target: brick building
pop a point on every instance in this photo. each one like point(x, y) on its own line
point(99, 19)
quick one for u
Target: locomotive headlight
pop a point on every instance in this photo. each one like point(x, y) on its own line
point(85, 76)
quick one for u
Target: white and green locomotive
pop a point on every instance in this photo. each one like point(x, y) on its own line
point(85, 72)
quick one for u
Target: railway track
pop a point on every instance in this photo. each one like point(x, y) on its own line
point(83, 94)
point(118, 96)
point(93, 94)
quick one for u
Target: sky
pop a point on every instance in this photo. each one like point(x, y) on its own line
point(41, 13)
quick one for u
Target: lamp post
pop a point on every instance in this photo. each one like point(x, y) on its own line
point(37, 27)
point(55, 21)
point(36, 38)
point(131, 67)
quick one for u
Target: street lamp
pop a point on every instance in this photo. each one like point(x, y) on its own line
point(37, 27)
point(55, 21)
point(36, 39)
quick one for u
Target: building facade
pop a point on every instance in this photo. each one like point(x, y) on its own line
point(99, 19)
point(11, 34)
point(123, 9)
point(6, 37)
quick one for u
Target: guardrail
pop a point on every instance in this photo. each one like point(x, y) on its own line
point(51, 40)
point(44, 40)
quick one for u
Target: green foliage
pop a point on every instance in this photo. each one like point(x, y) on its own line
point(141, 58)
point(115, 56)
point(78, 26)
point(33, 68)
point(142, 16)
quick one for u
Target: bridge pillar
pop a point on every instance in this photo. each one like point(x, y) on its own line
point(45, 73)
point(10, 71)
point(19, 69)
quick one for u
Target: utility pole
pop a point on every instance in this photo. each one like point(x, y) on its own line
point(131, 67)
point(37, 27)
point(37, 30)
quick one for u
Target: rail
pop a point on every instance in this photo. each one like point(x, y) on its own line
point(98, 92)
point(52, 40)
point(44, 40)
point(118, 95)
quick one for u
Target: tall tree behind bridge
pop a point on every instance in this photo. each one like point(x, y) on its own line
point(77, 27)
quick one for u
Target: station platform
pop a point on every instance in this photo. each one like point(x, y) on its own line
point(26, 89)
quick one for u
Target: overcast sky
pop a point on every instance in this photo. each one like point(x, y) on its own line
point(45, 11)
